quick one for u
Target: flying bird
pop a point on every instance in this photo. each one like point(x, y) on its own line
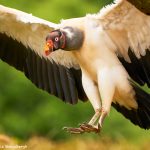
point(103, 58)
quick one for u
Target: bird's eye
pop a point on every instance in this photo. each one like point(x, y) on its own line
point(56, 39)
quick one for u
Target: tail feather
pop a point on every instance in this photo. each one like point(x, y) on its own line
point(140, 116)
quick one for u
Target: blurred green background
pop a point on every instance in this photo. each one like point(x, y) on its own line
point(26, 111)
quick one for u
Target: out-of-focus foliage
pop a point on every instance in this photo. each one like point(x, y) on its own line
point(26, 110)
point(55, 10)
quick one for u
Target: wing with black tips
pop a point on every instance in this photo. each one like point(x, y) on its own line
point(127, 33)
point(22, 37)
point(129, 30)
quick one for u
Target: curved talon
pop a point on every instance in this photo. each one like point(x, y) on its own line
point(74, 130)
point(84, 127)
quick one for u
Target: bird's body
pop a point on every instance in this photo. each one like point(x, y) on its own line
point(95, 60)
point(110, 48)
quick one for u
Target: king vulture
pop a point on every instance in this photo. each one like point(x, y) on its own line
point(102, 57)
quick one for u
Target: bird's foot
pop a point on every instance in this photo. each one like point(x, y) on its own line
point(90, 128)
point(83, 128)
point(74, 130)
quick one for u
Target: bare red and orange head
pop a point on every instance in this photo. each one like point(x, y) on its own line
point(48, 47)
point(55, 40)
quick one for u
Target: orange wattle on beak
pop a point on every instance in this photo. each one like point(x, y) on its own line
point(46, 50)
point(48, 47)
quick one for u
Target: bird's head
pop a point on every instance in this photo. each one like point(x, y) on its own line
point(55, 40)
point(67, 38)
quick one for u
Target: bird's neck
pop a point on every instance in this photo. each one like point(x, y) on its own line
point(74, 38)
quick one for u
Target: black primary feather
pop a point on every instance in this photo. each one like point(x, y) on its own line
point(54, 78)
point(138, 69)
point(141, 115)
point(142, 5)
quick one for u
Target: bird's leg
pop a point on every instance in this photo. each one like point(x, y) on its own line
point(95, 117)
point(92, 125)
point(107, 90)
point(102, 117)
point(91, 89)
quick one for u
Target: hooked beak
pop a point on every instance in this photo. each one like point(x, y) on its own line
point(48, 47)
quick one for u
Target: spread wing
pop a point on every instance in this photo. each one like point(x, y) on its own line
point(128, 30)
point(22, 37)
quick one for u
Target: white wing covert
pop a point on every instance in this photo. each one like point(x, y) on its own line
point(22, 39)
point(129, 31)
